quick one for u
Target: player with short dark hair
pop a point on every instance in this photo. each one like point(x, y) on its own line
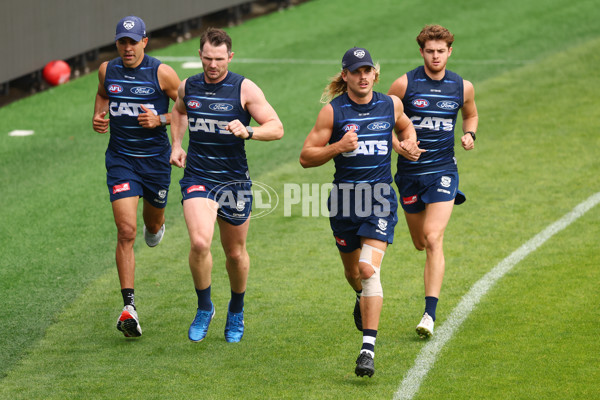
point(134, 91)
point(428, 187)
point(356, 130)
point(217, 106)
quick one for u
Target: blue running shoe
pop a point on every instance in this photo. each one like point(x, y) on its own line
point(199, 327)
point(234, 328)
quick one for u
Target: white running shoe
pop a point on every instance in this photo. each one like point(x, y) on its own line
point(128, 322)
point(153, 240)
point(425, 327)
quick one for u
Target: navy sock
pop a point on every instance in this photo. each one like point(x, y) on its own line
point(128, 297)
point(236, 304)
point(204, 302)
point(369, 336)
point(430, 306)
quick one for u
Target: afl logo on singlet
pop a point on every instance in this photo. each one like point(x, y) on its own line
point(349, 127)
point(114, 88)
point(420, 103)
point(193, 104)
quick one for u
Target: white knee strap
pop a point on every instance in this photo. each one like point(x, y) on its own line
point(372, 256)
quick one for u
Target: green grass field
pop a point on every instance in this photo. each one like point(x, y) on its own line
point(533, 336)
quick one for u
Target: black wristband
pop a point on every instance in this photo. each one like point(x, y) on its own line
point(472, 134)
point(250, 132)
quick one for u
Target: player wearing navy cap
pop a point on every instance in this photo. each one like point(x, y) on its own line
point(356, 129)
point(428, 187)
point(134, 91)
point(217, 106)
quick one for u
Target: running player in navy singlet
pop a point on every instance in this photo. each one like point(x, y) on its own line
point(428, 187)
point(217, 106)
point(134, 91)
point(356, 130)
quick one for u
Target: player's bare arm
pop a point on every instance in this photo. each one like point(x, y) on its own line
point(179, 124)
point(469, 116)
point(254, 101)
point(398, 87)
point(169, 82)
point(100, 122)
point(316, 150)
point(406, 143)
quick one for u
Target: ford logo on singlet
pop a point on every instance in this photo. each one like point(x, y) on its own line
point(114, 88)
point(379, 126)
point(193, 104)
point(420, 103)
point(142, 91)
point(447, 105)
point(349, 127)
point(220, 107)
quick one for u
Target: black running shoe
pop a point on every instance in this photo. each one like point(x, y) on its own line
point(357, 316)
point(365, 365)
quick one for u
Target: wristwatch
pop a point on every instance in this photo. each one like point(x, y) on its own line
point(250, 132)
point(471, 133)
point(163, 119)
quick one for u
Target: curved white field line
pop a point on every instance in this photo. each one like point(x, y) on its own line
point(412, 380)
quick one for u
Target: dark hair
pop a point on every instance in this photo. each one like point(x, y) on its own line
point(435, 32)
point(215, 37)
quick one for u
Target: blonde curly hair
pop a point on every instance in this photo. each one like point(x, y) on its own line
point(337, 85)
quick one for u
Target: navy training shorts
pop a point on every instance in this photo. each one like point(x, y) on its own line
point(234, 198)
point(148, 177)
point(416, 191)
point(361, 213)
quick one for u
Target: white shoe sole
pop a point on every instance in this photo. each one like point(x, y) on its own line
point(425, 327)
point(424, 332)
point(153, 240)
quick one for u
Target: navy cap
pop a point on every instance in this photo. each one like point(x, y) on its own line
point(355, 58)
point(131, 27)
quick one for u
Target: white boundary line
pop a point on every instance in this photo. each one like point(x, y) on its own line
point(412, 380)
